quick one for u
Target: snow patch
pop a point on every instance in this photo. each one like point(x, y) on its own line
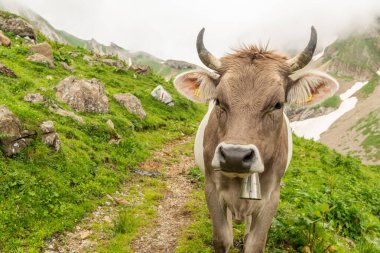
point(351, 91)
point(314, 127)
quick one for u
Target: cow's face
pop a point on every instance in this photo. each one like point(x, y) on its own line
point(249, 101)
point(249, 91)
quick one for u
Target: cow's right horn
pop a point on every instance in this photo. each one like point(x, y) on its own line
point(302, 59)
point(206, 57)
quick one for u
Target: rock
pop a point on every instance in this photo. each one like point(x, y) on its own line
point(47, 127)
point(84, 234)
point(34, 98)
point(110, 124)
point(12, 138)
point(115, 63)
point(41, 59)
point(65, 113)
point(83, 95)
point(162, 95)
point(67, 67)
point(50, 136)
point(107, 219)
point(302, 113)
point(43, 49)
point(131, 103)
point(17, 26)
point(147, 173)
point(140, 69)
point(88, 58)
point(28, 41)
point(7, 71)
point(4, 40)
point(180, 65)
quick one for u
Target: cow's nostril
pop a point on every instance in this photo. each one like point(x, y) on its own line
point(222, 153)
point(249, 157)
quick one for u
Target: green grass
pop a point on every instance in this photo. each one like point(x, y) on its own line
point(370, 86)
point(42, 192)
point(327, 199)
point(333, 102)
point(327, 196)
point(370, 128)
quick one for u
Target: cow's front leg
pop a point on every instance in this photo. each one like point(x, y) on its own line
point(261, 222)
point(221, 226)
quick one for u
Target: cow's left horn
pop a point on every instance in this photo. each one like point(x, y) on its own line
point(206, 57)
point(302, 59)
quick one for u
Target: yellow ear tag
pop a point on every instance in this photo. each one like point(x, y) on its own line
point(196, 92)
point(309, 98)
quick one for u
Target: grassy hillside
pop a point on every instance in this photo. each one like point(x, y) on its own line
point(357, 56)
point(328, 203)
point(327, 199)
point(42, 192)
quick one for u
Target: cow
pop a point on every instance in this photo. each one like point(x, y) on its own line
point(245, 131)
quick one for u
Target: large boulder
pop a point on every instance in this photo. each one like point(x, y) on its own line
point(41, 59)
point(4, 40)
point(50, 136)
point(43, 49)
point(83, 95)
point(6, 71)
point(17, 26)
point(12, 138)
point(131, 103)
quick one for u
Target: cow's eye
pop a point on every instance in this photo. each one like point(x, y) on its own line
point(218, 104)
point(278, 105)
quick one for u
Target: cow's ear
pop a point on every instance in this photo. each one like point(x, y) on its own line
point(310, 88)
point(197, 85)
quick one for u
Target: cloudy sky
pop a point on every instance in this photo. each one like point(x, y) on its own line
point(168, 28)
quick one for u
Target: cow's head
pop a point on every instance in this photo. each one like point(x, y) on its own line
point(249, 89)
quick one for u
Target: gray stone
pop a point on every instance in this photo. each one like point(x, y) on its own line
point(43, 49)
point(67, 67)
point(12, 138)
point(65, 113)
point(34, 98)
point(131, 103)
point(140, 69)
point(17, 26)
point(83, 95)
point(7, 71)
point(162, 95)
point(50, 136)
point(41, 59)
point(115, 63)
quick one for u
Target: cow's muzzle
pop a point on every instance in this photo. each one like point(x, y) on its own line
point(238, 160)
point(242, 161)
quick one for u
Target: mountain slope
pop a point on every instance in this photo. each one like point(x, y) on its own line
point(43, 192)
point(167, 69)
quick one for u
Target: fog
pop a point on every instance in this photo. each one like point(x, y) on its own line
point(168, 28)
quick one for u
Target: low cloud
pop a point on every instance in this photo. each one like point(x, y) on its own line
point(168, 28)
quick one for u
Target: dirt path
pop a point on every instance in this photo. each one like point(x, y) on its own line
point(173, 161)
point(171, 212)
